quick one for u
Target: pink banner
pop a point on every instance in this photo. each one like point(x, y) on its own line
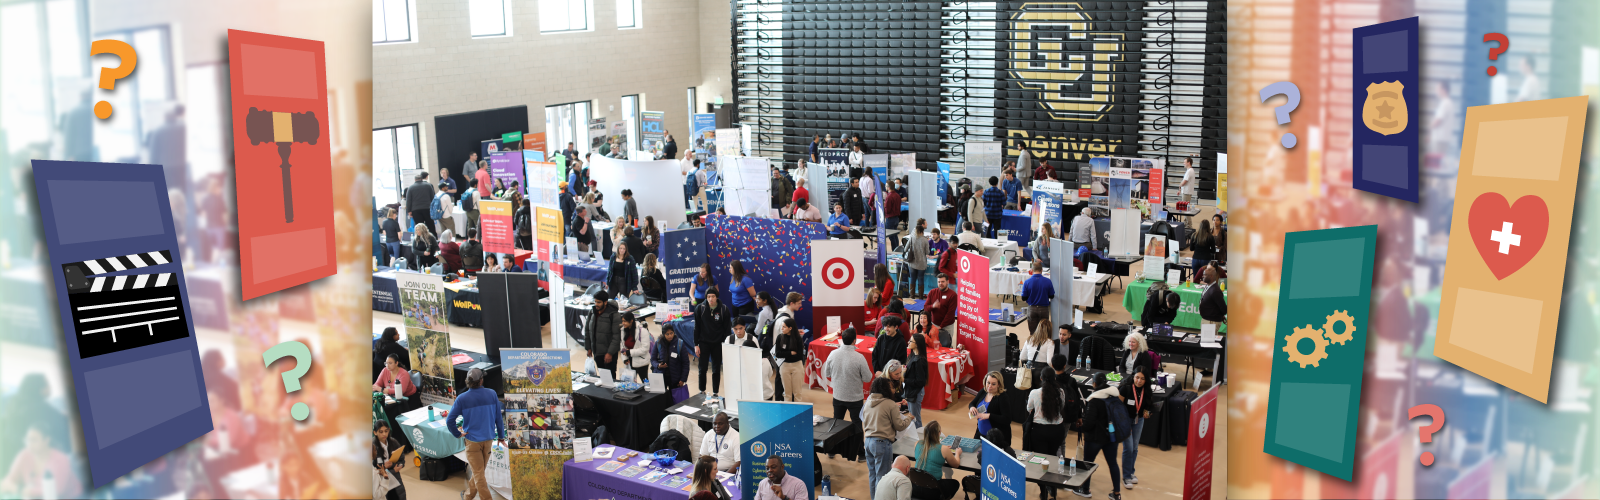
point(972, 311)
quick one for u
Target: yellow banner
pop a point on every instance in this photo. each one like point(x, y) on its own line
point(549, 226)
point(490, 207)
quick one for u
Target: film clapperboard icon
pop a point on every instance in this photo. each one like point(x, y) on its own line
point(115, 313)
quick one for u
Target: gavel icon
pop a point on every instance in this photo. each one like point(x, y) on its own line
point(284, 129)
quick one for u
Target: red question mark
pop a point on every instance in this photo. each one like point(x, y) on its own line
point(1427, 431)
point(1494, 52)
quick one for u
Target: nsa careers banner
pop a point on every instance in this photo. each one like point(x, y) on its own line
point(769, 430)
point(1004, 477)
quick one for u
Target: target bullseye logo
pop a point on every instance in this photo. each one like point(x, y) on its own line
point(966, 264)
point(837, 273)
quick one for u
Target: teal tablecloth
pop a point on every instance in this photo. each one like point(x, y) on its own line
point(431, 439)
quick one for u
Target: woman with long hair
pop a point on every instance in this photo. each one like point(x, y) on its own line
point(789, 348)
point(1048, 430)
point(931, 456)
point(1038, 348)
point(880, 275)
point(705, 477)
point(741, 290)
point(653, 271)
point(700, 283)
point(766, 312)
point(423, 247)
point(388, 457)
point(1219, 237)
point(1204, 245)
point(916, 257)
point(1041, 246)
point(873, 305)
point(916, 375)
point(652, 234)
point(1138, 395)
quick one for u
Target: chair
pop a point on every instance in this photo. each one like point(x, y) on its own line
point(585, 416)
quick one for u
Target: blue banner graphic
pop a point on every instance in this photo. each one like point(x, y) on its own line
point(683, 251)
point(1004, 477)
point(1383, 76)
point(780, 430)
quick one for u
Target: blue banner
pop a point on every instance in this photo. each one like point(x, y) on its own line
point(1384, 70)
point(705, 132)
point(776, 254)
point(944, 183)
point(877, 204)
point(780, 430)
point(1004, 477)
point(682, 251)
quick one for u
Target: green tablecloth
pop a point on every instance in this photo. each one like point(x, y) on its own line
point(1188, 312)
point(431, 439)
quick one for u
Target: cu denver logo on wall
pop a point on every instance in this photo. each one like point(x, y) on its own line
point(989, 472)
point(758, 449)
point(965, 263)
point(1067, 84)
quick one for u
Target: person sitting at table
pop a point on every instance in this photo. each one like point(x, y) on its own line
point(894, 485)
point(713, 322)
point(1160, 305)
point(805, 211)
point(39, 461)
point(483, 426)
point(700, 283)
point(1040, 247)
point(891, 343)
point(924, 328)
point(471, 251)
point(1139, 397)
point(389, 344)
point(652, 283)
point(780, 485)
point(722, 444)
point(1097, 439)
point(790, 351)
point(670, 357)
point(936, 242)
point(1137, 356)
point(450, 251)
point(741, 290)
point(839, 223)
point(1049, 431)
point(1038, 291)
point(393, 372)
point(940, 307)
point(880, 276)
point(423, 247)
point(491, 264)
point(388, 457)
point(872, 307)
point(881, 421)
point(932, 456)
point(603, 333)
point(969, 235)
point(989, 410)
point(845, 372)
point(705, 479)
point(622, 277)
point(635, 349)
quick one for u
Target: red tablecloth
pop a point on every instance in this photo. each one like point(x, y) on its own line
point(948, 369)
point(521, 258)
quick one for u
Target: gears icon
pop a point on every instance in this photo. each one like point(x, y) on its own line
point(1318, 352)
point(1349, 327)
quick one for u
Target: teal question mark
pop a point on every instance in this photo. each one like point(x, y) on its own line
point(291, 378)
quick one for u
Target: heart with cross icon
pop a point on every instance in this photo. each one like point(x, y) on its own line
point(1507, 235)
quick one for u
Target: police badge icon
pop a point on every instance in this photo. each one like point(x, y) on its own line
point(1385, 109)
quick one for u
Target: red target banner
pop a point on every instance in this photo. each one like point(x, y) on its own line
point(836, 283)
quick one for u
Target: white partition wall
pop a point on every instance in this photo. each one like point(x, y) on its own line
point(657, 186)
point(923, 196)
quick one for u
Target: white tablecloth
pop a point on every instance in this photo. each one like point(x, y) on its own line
point(1007, 282)
point(995, 250)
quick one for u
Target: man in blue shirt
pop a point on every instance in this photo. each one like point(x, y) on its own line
point(994, 202)
point(839, 223)
point(1013, 189)
point(444, 178)
point(482, 425)
point(1038, 291)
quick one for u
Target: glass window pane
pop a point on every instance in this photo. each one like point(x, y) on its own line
point(383, 167)
point(397, 20)
point(552, 15)
point(378, 22)
point(406, 152)
point(207, 127)
point(625, 13)
point(66, 48)
point(154, 71)
point(577, 15)
point(488, 17)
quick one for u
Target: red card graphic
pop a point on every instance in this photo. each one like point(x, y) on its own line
point(1507, 236)
point(282, 161)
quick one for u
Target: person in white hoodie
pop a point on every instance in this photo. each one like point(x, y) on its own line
point(635, 351)
point(1097, 438)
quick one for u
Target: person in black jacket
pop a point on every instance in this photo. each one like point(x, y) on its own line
point(623, 276)
point(1097, 438)
point(389, 343)
point(1213, 302)
point(1160, 306)
point(603, 333)
point(1072, 413)
point(670, 151)
point(891, 344)
point(790, 349)
point(713, 322)
point(989, 408)
point(854, 207)
point(634, 244)
point(916, 378)
point(569, 204)
point(1136, 357)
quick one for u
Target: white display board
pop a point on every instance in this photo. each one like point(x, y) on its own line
point(746, 185)
point(923, 196)
point(983, 160)
point(741, 373)
point(1155, 256)
point(665, 201)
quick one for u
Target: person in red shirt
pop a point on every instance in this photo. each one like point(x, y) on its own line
point(1044, 172)
point(800, 191)
point(891, 215)
point(947, 259)
point(873, 308)
point(941, 309)
point(880, 273)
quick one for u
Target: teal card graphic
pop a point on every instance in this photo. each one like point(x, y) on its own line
point(1320, 348)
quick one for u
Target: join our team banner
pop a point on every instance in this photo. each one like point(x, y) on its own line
point(774, 429)
point(972, 310)
point(428, 334)
point(682, 251)
point(1004, 477)
point(494, 221)
point(836, 277)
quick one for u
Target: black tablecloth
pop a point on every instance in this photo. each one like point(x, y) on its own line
point(632, 424)
point(465, 309)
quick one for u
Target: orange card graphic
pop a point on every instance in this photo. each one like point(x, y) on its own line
point(1501, 299)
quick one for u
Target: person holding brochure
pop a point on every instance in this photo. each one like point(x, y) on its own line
point(670, 357)
point(635, 348)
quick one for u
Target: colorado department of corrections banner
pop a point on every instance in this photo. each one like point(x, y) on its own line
point(538, 419)
point(773, 429)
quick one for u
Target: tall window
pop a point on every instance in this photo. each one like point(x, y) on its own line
point(630, 112)
point(630, 14)
point(489, 17)
point(564, 123)
point(43, 49)
point(394, 150)
point(557, 16)
point(391, 20)
point(119, 139)
point(692, 97)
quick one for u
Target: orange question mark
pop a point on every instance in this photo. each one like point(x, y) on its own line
point(109, 76)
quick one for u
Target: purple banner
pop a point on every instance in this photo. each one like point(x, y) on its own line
point(507, 167)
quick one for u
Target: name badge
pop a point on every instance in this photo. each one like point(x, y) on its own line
point(674, 355)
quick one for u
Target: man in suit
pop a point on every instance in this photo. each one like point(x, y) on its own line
point(1213, 302)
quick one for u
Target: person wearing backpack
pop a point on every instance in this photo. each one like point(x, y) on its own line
point(691, 184)
point(1160, 306)
point(469, 203)
point(1098, 436)
point(523, 220)
point(442, 209)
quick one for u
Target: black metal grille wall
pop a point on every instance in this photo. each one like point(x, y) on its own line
point(862, 67)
